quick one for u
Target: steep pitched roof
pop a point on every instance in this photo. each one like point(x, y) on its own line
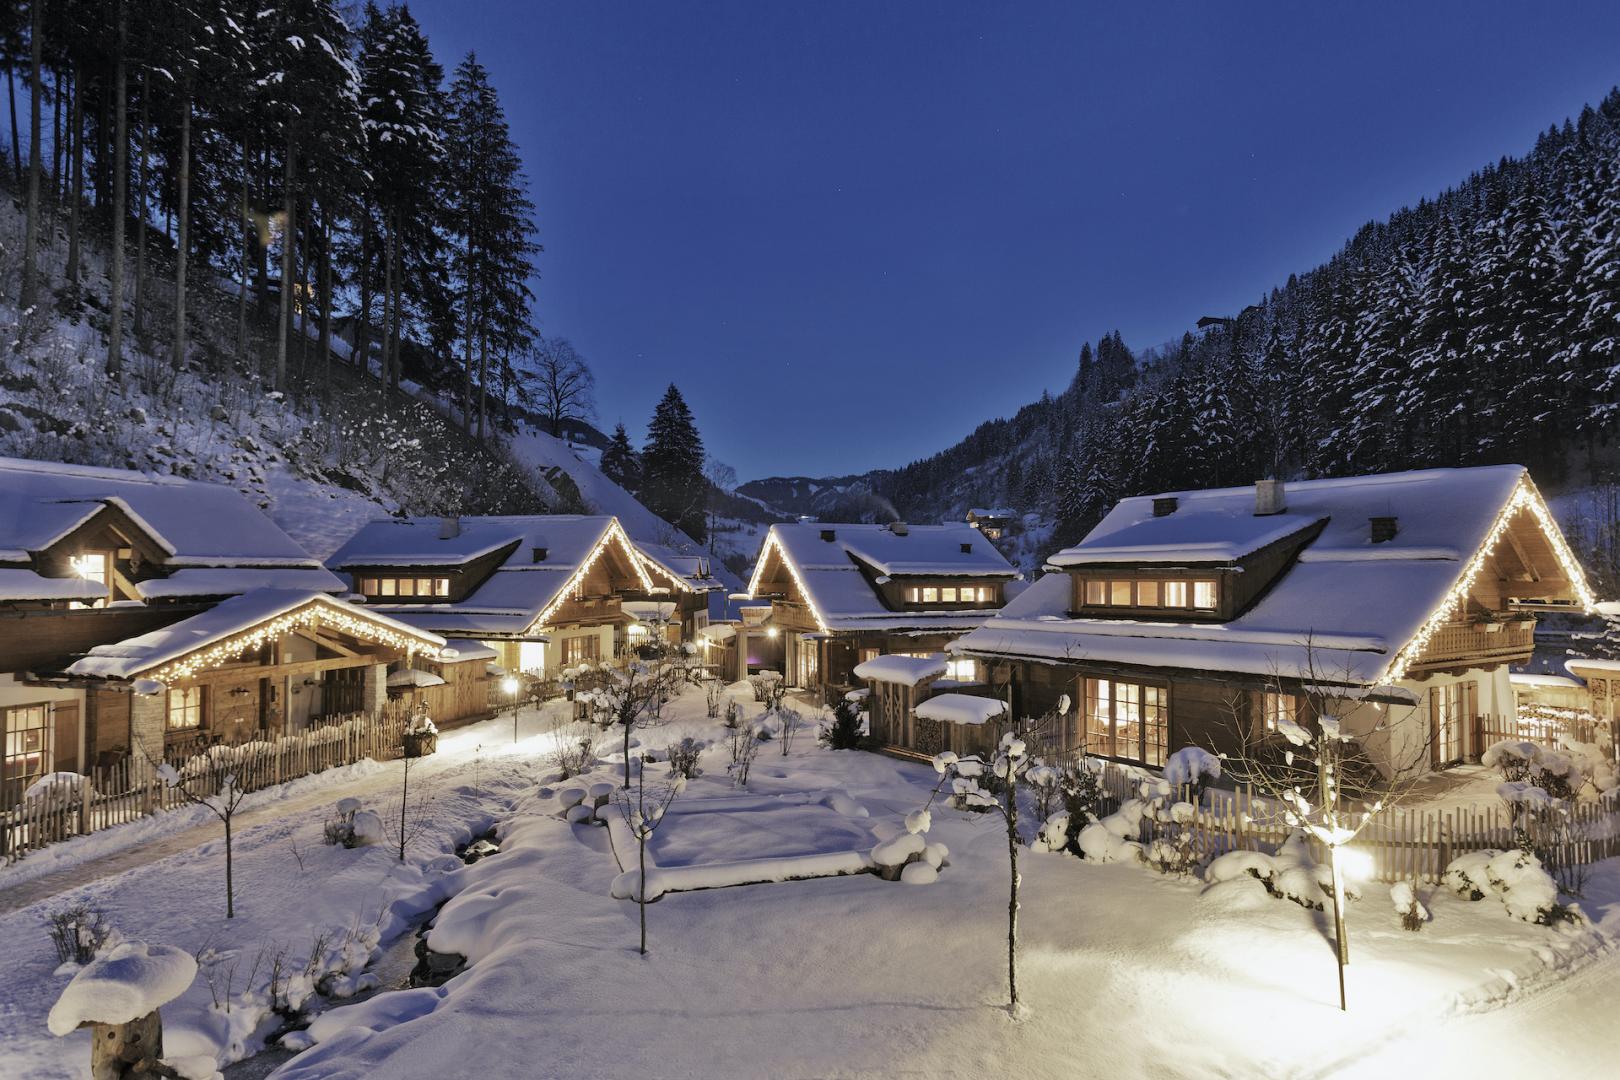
point(518, 593)
point(1361, 610)
point(837, 576)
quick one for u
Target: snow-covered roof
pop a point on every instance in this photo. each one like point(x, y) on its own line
point(193, 523)
point(17, 583)
point(838, 576)
point(457, 650)
point(1531, 678)
point(510, 599)
point(1212, 534)
point(982, 512)
point(158, 648)
point(692, 570)
point(1344, 611)
point(410, 678)
point(648, 610)
point(902, 670)
point(961, 709)
point(1591, 664)
point(232, 581)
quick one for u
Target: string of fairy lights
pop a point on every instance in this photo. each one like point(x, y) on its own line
point(1525, 497)
point(772, 543)
point(570, 588)
point(318, 612)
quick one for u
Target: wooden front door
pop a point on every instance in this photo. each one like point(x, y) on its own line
point(65, 717)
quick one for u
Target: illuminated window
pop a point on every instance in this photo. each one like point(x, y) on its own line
point(94, 566)
point(368, 585)
point(27, 749)
point(1119, 593)
point(1147, 594)
point(407, 586)
point(914, 594)
point(1175, 594)
point(441, 586)
point(930, 595)
point(961, 669)
point(948, 595)
point(1275, 708)
point(579, 650)
point(185, 708)
point(1127, 720)
point(1204, 595)
point(385, 587)
point(1096, 592)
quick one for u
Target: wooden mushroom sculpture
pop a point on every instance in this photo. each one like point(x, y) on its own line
point(117, 996)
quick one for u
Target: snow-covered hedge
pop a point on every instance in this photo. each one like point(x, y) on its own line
point(1290, 874)
point(1514, 877)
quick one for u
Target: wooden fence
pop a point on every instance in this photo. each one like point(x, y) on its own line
point(1541, 724)
point(132, 789)
point(1405, 844)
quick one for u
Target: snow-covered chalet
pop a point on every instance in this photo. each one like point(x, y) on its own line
point(1208, 617)
point(145, 617)
point(834, 595)
point(541, 592)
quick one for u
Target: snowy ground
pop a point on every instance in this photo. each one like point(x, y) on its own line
point(1126, 973)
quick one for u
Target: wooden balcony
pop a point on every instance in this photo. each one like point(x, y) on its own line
point(1477, 644)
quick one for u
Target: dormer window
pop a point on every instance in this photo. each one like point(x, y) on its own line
point(94, 566)
point(416, 587)
point(1199, 595)
point(950, 594)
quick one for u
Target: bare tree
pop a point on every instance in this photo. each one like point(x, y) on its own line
point(625, 696)
point(206, 783)
point(644, 811)
point(564, 385)
point(722, 480)
point(1010, 767)
point(1331, 783)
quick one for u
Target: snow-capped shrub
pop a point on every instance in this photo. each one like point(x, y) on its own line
point(844, 730)
point(919, 821)
point(899, 850)
point(683, 758)
point(1117, 837)
point(1594, 762)
point(919, 873)
point(1290, 874)
point(339, 828)
point(1514, 877)
point(1407, 905)
point(1172, 855)
point(368, 828)
point(1054, 833)
point(421, 723)
point(78, 933)
point(1511, 756)
point(1560, 771)
point(1236, 864)
point(1192, 766)
point(575, 753)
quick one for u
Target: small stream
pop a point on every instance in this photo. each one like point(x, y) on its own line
point(397, 965)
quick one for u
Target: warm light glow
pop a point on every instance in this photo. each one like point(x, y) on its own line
point(89, 567)
point(1525, 497)
point(571, 588)
point(1356, 864)
point(772, 632)
point(319, 612)
point(759, 570)
point(510, 686)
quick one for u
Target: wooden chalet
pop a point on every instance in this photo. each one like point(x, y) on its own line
point(840, 594)
point(148, 617)
point(1396, 601)
point(993, 522)
point(542, 593)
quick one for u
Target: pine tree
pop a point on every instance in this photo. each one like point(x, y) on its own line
point(672, 484)
point(620, 462)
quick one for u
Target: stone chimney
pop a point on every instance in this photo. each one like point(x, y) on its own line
point(1384, 528)
point(449, 528)
point(1268, 498)
point(899, 528)
point(1164, 506)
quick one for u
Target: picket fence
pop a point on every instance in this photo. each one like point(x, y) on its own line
point(1404, 844)
point(131, 789)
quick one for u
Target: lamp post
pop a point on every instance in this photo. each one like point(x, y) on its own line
point(510, 686)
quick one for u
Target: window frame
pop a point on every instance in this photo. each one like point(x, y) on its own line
point(192, 703)
point(1142, 708)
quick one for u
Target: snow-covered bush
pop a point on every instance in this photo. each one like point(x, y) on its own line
point(1290, 874)
point(575, 752)
point(1514, 877)
point(845, 730)
point(1117, 837)
point(368, 828)
point(683, 757)
point(1594, 762)
point(1512, 757)
point(1403, 895)
point(339, 828)
point(78, 933)
point(1193, 767)
point(742, 742)
point(714, 693)
point(1561, 773)
point(733, 717)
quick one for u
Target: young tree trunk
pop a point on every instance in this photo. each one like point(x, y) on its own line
point(141, 133)
point(230, 869)
point(182, 228)
point(1012, 899)
point(76, 192)
point(404, 804)
point(627, 754)
point(30, 271)
point(289, 233)
point(120, 184)
point(641, 896)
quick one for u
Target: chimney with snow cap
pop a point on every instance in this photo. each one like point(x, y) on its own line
point(449, 528)
point(899, 528)
point(1268, 498)
point(1164, 505)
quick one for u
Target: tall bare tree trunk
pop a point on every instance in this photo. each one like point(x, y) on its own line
point(30, 271)
point(362, 324)
point(182, 228)
point(289, 235)
point(467, 369)
point(76, 194)
point(120, 185)
point(326, 299)
point(56, 133)
point(142, 130)
point(16, 133)
point(396, 364)
point(388, 300)
point(306, 293)
point(483, 380)
point(247, 257)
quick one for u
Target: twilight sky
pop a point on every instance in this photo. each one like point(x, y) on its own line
point(852, 231)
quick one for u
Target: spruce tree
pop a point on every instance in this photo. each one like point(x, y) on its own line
point(620, 463)
point(672, 484)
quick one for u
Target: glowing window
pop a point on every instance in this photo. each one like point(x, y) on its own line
point(1096, 592)
point(1147, 594)
point(441, 586)
point(930, 595)
point(948, 595)
point(1204, 595)
point(185, 708)
point(1175, 594)
point(1119, 593)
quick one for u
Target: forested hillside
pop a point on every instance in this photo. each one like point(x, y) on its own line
point(1482, 325)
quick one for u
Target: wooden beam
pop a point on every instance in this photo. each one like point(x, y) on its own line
point(314, 634)
point(1524, 560)
point(271, 671)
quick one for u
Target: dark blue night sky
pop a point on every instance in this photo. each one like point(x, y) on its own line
point(850, 232)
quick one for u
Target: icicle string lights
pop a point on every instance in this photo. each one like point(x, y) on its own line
point(571, 588)
point(313, 614)
point(1525, 497)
